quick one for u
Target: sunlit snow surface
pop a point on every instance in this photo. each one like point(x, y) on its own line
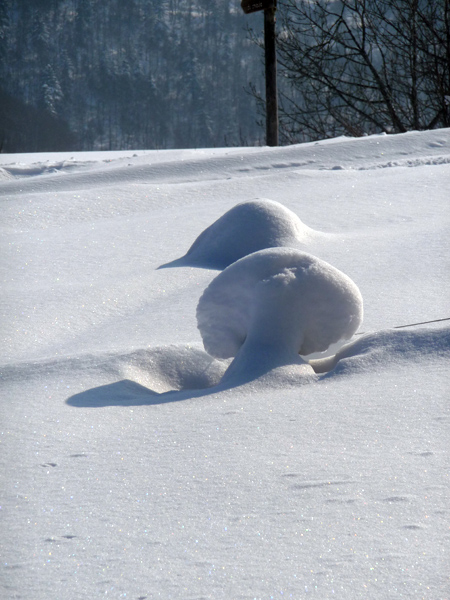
point(128, 473)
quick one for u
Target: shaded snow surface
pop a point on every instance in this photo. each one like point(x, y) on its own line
point(130, 471)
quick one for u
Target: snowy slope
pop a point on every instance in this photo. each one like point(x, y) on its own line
point(129, 473)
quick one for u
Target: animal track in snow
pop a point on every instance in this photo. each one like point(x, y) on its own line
point(392, 499)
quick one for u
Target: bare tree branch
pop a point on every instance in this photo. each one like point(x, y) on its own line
point(360, 66)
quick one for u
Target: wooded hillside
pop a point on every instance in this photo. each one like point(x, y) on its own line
point(89, 74)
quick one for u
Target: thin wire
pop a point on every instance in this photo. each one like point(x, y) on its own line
point(422, 323)
point(412, 324)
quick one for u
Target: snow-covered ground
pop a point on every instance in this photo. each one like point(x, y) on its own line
point(129, 471)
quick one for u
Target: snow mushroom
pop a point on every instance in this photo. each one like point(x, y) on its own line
point(270, 306)
point(244, 229)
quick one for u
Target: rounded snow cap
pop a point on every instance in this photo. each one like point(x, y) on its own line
point(278, 296)
point(244, 229)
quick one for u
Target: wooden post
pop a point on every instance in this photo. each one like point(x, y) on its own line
point(271, 77)
point(269, 7)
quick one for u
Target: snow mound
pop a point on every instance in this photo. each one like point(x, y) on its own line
point(318, 301)
point(244, 229)
point(269, 307)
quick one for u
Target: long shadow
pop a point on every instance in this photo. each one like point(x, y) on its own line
point(130, 393)
point(398, 344)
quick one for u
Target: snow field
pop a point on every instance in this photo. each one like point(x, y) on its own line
point(125, 476)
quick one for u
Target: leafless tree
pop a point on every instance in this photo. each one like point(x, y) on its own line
point(357, 67)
